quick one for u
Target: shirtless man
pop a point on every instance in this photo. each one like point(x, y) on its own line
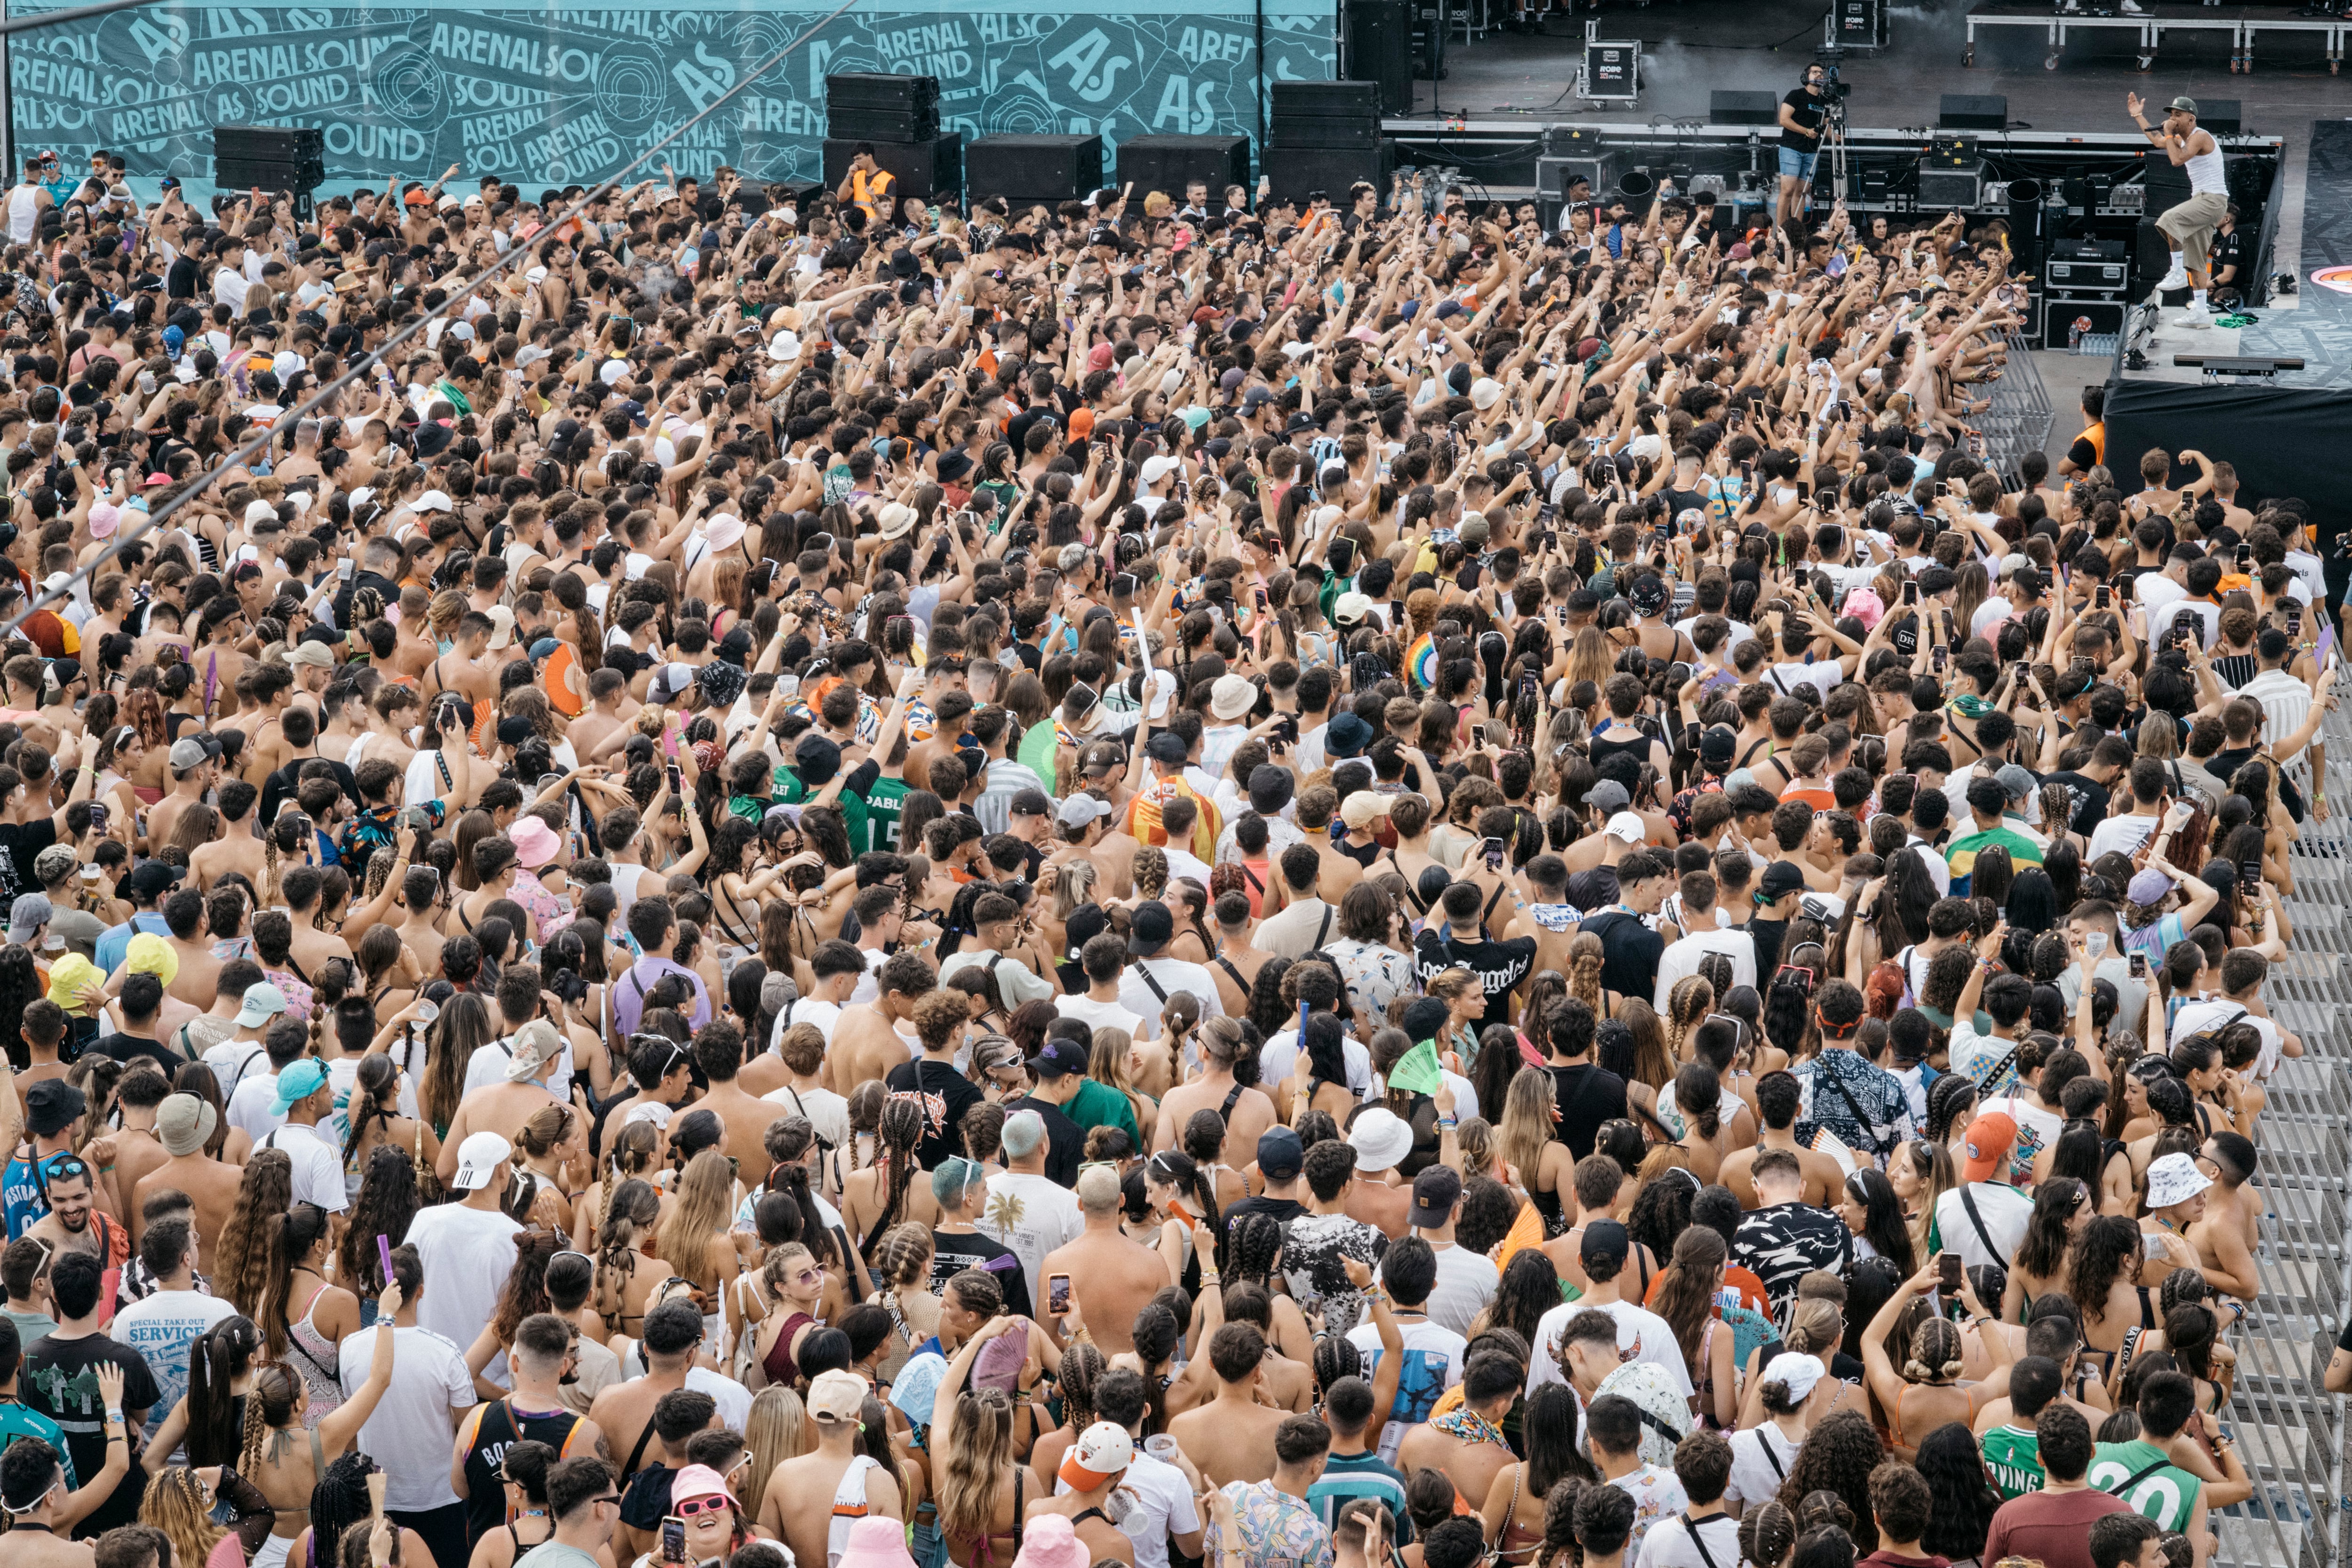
point(312, 948)
point(1549, 918)
point(137, 1150)
point(420, 897)
point(198, 980)
point(719, 1051)
point(673, 1332)
point(1234, 966)
point(607, 691)
point(1111, 1277)
point(866, 1039)
point(76, 1222)
point(538, 1047)
point(2229, 1217)
point(799, 1502)
point(1084, 827)
point(1230, 1438)
point(183, 1125)
point(1249, 1112)
point(196, 766)
point(237, 849)
point(1489, 1385)
point(1778, 1097)
point(264, 748)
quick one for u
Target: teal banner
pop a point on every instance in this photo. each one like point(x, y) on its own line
point(553, 97)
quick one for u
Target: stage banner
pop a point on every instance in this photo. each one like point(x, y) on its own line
point(546, 97)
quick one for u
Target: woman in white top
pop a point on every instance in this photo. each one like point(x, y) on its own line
point(1763, 1455)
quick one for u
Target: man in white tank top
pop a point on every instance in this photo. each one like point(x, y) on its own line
point(24, 204)
point(2189, 227)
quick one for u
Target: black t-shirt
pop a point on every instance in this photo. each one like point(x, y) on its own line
point(1499, 965)
point(20, 842)
point(946, 1094)
point(129, 1049)
point(952, 1253)
point(2090, 798)
point(60, 1381)
point(1588, 1095)
point(1065, 1143)
point(1284, 1211)
point(2224, 765)
point(278, 789)
point(1767, 936)
point(2229, 250)
point(1630, 952)
point(1806, 111)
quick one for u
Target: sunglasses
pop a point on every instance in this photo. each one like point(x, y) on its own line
point(691, 1507)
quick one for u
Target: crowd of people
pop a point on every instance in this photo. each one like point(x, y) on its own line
point(1178, 880)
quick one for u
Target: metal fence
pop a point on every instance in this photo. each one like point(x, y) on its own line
point(2018, 422)
point(2290, 1432)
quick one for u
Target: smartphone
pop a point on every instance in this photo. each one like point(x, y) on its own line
point(676, 782)
point(1911, 592)
point(2294, 620)
point(344, 569)
point(673, 1539)
point(1493, 848)
point(2099, 596)
point(1947, 1271)
point(1057, 1294)
point(2139, 966)
point(97, 816)
point(1939, 658)
point(1938, 489)
point(2250, 877)
point(1287, 728)
point(2245, 557)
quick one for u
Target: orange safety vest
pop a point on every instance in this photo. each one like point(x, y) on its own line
point(2096, 432)
point(866, 189)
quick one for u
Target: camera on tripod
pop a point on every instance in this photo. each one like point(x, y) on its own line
point(1831, 59)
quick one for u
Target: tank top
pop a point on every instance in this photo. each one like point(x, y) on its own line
point(24, 213)
point(488, 1431)
point(315, 1357)
point(2204, 174)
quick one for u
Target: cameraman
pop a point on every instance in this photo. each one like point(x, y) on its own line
point(1802, 114)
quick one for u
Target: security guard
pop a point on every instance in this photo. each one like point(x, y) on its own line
point(868, 182)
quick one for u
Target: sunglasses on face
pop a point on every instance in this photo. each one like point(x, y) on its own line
point(692, 1507)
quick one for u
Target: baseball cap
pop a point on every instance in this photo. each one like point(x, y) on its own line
point(1985, 1150)
point(27, 915)
point(1434, 1193)
point(478, 1157)
point(299, 1082)
point(535, 1045)
point(2149, 887)
point(1153, 929)
point(188, 752)
point(836, 1396)
point(1102, 1453)
point(1081, 808)
point(1781, 879)
point(1059, 1059)
point(1603, 1238)
point(1280, 1154)
point(262, 1002)
point(1625, 825)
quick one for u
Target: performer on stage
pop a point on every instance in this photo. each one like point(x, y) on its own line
point(2189, 227)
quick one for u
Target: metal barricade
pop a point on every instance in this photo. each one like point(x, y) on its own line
point(2292, 1434)
point(2017, 420)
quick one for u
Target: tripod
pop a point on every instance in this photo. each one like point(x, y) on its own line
point(1833, 147)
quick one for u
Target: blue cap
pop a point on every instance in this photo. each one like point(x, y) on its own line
point(173, 341)
point(544, 647)
point(297, 1082)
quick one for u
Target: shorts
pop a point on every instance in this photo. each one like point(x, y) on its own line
point(2192, 224)
point(1796, 165)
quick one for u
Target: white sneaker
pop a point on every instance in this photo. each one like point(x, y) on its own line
point(2176, 278)
point(2133, 9)
point(2195, 318)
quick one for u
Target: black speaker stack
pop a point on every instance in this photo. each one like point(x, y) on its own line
point(2087, 289)
point(1325, 136)
point(1035, 170)
point(1380, 49)
point(271, 158)
point(1169, 163)
point(899, 115)
point(1727, 106)
point(1972, 111)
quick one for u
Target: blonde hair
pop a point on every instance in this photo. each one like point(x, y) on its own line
point(1585, 957)
point(975, 1464)
point(1814, 1326)
point(1686, 1005)
point(776, 1430)
point(705, 1192)
point(904, 1259)
point(173, 1505)
point(1526, 1127)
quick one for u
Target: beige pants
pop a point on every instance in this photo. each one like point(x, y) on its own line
point(2191, 224)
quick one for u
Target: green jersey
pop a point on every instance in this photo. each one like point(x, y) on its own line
point(885, 802)
point(2013, 1457)
point(2152, 1486)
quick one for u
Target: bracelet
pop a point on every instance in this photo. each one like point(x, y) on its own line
point(114, 1414)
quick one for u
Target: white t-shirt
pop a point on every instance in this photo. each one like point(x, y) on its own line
point(1680, 960)
point(1657, 1497)
point(2219, 1013)
point(826, 1112)
point(1101, 1014)
point(1159, 1504)
point(160, 1328)
point(1278, 1058)
point(468, 1254)
point(1433, 1364)
point(2126, 833)
point(1033, 1217)
point(1753, 1476)
point(1638, 1328)
point(1824, 677)
point(317, 1165)
point(1466, 1281)
point(254, 1106)
point(233, 1061)
point(407, 1434)
point(1668, 1543)
point(2004, 1211)
point(1171, 976)
point(488, 1065)
point(806, 1010)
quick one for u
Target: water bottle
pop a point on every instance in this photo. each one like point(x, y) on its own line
point(2074, 336)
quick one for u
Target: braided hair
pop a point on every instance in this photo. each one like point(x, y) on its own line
point(900, 1129)
point(630, 1208)
point(220, 1355)
point(277, 1397)
point(241, 1262)
point(374, 1098)
point(1181, 1172)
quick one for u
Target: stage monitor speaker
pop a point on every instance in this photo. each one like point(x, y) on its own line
point(1299, 172)
point(1554, 177)
point(1380, 49)
point(879, 125)
point(1972, 111)
point(1029, 170)
point(1727, 107)
point(1169, 163)
point(2221, 116)
point(1960, 188)
point(865, 106)
point(1875, 185)
point(267, 176)
point(926, 169)
point(2167, 181)
point(2151, 256)
point(2061, 311)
